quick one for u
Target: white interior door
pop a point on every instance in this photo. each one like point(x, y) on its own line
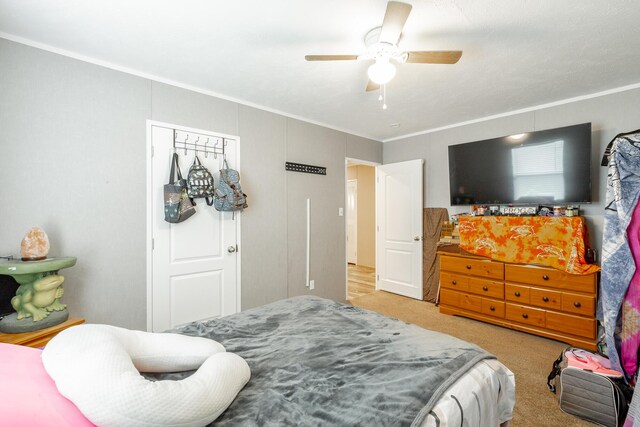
point(195, 262)
point(399, 228)
point(352, 221)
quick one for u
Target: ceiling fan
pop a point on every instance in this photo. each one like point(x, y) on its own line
point(382, 46)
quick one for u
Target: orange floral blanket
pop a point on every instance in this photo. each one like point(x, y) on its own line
point(557, 242)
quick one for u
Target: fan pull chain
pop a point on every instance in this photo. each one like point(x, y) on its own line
point(384, 97)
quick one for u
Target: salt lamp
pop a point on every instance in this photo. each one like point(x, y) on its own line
point(35, 245)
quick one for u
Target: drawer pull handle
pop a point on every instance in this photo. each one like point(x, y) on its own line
point(454, 282)
point(468, 267)
point(545, 299)
point(516, 293)
point(545, 277)
point(577, 304)
point(525, 315)
point(492, 308)
point(484, 288)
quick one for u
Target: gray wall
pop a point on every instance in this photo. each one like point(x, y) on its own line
point(609, 115)
point(72, 139)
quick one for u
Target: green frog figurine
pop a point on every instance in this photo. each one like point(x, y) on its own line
point(39, 297)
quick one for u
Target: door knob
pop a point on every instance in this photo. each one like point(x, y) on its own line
point(417, 238)
point(231, 249)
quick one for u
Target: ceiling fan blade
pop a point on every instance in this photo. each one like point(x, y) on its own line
point(434, 56)
point(331, 57)
point(394, 20)
point(372, 86)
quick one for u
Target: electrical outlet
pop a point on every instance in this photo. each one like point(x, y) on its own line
point(312, 284)
point(340, 212)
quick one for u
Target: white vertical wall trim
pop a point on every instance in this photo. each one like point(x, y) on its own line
point(308, 243)
point(149, 230)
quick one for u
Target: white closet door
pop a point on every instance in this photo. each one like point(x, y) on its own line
point(195, 263)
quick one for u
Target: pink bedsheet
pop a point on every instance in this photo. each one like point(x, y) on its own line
point(28, 396)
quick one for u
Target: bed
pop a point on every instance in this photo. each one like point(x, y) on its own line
point(318, 362)
point(302, 361)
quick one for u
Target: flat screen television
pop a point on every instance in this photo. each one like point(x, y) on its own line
point(545, 167)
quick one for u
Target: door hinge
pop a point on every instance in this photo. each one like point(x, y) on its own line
point(378, 277)
point(153, 244)
point(378, 227)
point(153, 151)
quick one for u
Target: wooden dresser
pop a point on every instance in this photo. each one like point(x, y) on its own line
point(38, 338)
point(538, 300)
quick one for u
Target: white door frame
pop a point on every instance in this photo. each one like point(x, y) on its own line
point(149, 189)
point(352, 160)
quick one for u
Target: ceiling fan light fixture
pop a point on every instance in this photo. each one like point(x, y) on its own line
point(382, 71)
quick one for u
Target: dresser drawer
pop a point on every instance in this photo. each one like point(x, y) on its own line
point(571, 324)
point(448, 297)
point(487, 288)
point(474, 267)
point(454, 281)
point(579, 304)
point(524, 314)
point(471, 302)
point(550, 277)
point(545, 298)
point(493, 308)
point(516, 293)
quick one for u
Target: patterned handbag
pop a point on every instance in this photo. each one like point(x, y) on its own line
point(177, 205)
point(200, 183)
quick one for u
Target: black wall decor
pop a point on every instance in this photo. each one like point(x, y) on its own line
point(300, 167)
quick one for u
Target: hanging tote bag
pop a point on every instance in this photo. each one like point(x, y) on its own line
point(200, 182)
point(177, 205)
point(228, 194)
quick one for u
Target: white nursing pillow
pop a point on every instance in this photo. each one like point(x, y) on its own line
point(97, 368)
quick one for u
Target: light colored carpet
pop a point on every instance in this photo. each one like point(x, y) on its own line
point(529, 357)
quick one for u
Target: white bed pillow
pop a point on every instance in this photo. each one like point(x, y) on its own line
point(97, 368)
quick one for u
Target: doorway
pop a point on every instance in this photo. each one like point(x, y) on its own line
point(360, 228)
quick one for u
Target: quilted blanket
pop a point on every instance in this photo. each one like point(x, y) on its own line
point(318, 362)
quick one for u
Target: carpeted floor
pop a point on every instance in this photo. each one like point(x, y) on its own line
point(529, 357)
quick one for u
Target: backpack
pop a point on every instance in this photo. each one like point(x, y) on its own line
point(228, 195)
point(200, 182)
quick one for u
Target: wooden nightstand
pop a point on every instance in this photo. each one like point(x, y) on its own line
point(38, 338)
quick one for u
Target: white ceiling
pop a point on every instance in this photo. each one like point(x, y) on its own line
point(517, 53)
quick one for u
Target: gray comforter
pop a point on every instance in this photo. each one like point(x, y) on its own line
point(317, 362)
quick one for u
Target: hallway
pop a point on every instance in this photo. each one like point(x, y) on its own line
point(362, 281)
